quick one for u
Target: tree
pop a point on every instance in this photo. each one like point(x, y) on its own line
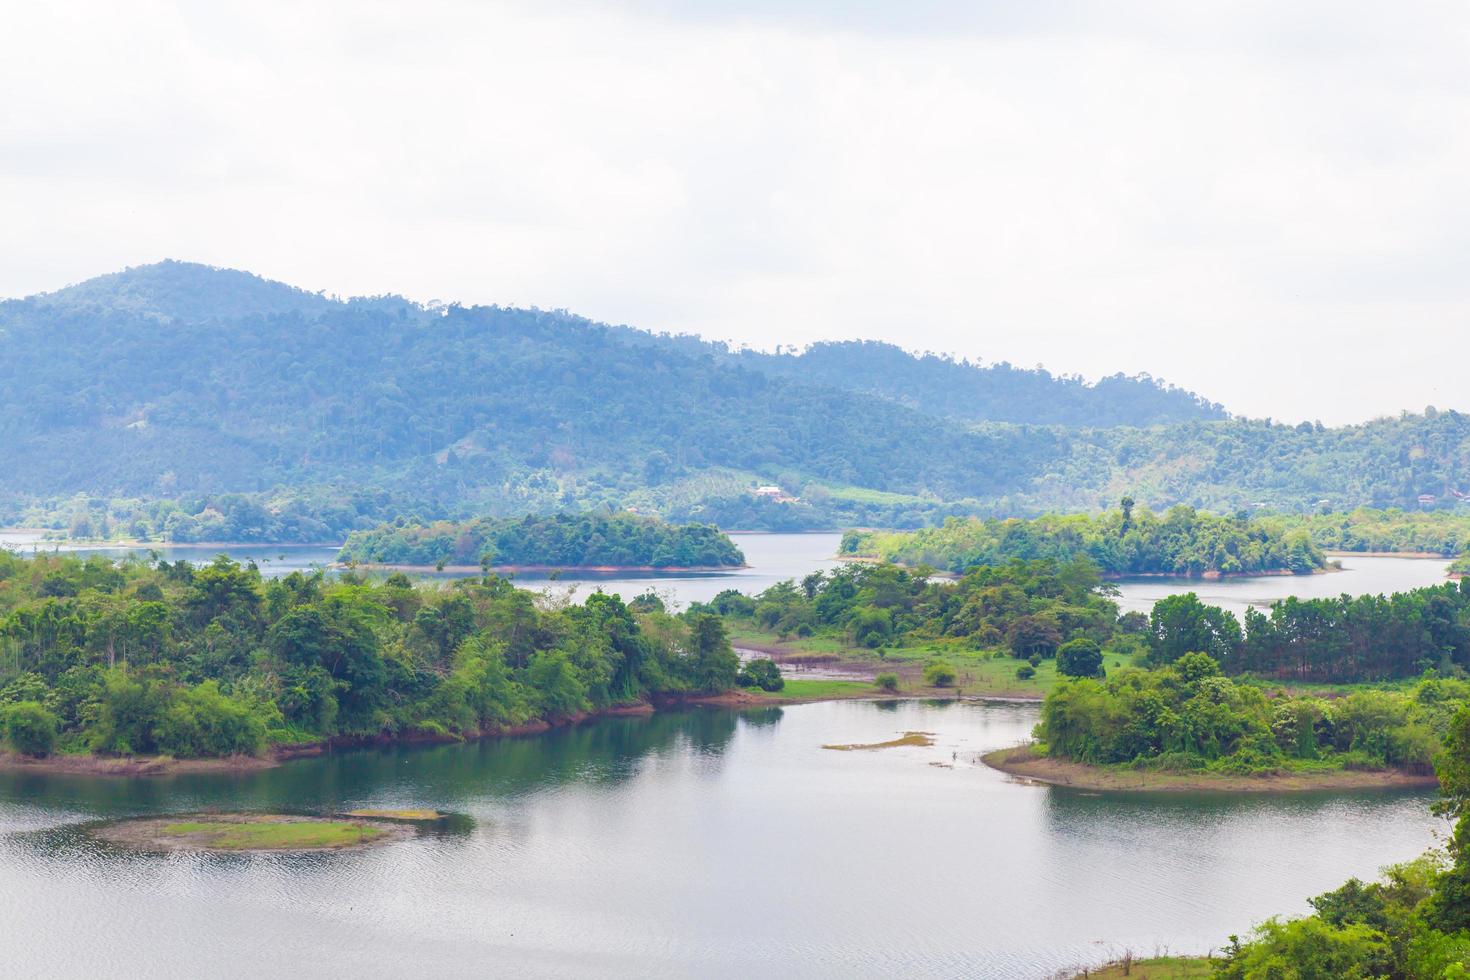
point(761, 672)
point(1181, 624)
point(1080, 657)
point(30, 729)
point(715, 662)
point(939, 674)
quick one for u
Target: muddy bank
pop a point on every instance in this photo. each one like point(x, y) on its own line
point(1021, 761)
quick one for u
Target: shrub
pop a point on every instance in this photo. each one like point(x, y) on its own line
point(202, 721)
point(30, 728)
point(762, 673)
point(1079, 658)
point(886, 682)
point(1025, 672)
point(939, 674)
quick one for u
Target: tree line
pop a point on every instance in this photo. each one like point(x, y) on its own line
point(136, 656)
point(562, 540)
point(1131, 540)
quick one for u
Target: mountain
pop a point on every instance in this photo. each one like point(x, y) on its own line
point(955, 389)
point(181, 381)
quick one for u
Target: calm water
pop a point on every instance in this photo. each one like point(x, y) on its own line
point(1361, 575)
point(770, 559)
point(704, 843)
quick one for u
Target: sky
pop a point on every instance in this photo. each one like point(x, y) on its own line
point(1266, 203)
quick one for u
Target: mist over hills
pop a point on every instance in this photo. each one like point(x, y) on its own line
point(180, 379)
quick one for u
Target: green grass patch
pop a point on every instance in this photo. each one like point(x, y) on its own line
point(798, 688)
point(283, 834)
point(1155, 968)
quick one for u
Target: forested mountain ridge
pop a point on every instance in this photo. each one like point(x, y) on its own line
point(943, 386)
point(184, 382)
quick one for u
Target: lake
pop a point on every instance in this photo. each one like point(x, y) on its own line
point(1360, 575)
point(692, 843)
point(772, 558)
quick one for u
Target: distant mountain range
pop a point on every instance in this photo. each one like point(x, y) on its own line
point(178, 379)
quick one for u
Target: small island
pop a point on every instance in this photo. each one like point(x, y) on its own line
point(1184, 726)
point(252, 832)
point(1130, 541)
point(599, 542)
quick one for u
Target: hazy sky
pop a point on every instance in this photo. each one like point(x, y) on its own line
point(1265, 202)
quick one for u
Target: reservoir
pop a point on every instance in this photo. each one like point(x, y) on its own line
point(691, 843)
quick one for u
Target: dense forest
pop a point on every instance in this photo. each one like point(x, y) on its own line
point(174, 381)
point(134, 657)
point(1188, 716)
point(1129, 541)
point(560, 540)
point(1346, 639)
point(946, 387)
point(1026, 607)
point(1434, 532)
point(312, 516)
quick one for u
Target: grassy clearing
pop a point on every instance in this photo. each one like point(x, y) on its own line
point(267, 833)
point(978, 672)
point(818, 689)
point(1157, 968)
point(919, 739)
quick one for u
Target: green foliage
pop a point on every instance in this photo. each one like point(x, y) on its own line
point(29, 728)
point(762, 673)
point(939, 674)
point(135, 658)
point(188, 383)
point(561, 540)
point(1188, 716)
point(1080, 657)
point(1023, 605)
point(1181, 624)
point(1411, 924)
point(1123, 542)
point(1310, 949)
point(201, 721)
point(1025, 672)
point(886, 682)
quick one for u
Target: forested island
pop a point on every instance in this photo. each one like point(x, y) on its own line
point(613, 541)
point(1128, 541)
point(140, 658)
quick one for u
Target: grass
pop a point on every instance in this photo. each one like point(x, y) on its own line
point(979, 672)
point(798, 688)
point(283, 833)
point(1156, 968)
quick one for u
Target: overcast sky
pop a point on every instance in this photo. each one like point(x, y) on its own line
point(1264, 202)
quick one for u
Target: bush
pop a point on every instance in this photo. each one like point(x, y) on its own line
point(30, 728)
point(204, 722)
point(886, 682)
point(1079, 658)
point(762, 673)
point(939, 674)
point(1025, 672)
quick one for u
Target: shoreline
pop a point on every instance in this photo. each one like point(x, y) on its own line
point(1019, 761)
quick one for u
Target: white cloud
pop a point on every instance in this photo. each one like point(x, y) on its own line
point(1264, 202)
